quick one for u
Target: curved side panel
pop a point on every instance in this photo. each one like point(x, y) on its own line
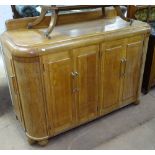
point(31, 93)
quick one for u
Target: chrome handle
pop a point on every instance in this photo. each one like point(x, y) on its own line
point(125, 60)
point(123, 63)
point(14, 84)
point(12, 76)
point(122, 60)
point(75, 90)
point(74, 74)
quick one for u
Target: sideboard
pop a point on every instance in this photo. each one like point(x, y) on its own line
point(88, 68)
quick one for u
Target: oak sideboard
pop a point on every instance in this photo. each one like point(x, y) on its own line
point(89, 67)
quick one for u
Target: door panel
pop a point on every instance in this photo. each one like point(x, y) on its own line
point(86, 65)
point(132, 70)
point(58, 80)
point(111, 69)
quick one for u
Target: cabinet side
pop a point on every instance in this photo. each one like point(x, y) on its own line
point(12, 83)
point(31, 94)
point(145, 46)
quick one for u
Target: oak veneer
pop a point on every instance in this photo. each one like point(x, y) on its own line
point(86, 70)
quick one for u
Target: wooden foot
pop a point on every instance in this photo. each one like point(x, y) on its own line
point(145, 91)
point(31, 141)
point(43, 142)
point(16, 117)
point(136, 102)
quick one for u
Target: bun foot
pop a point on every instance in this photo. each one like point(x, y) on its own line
point(43, 142)
point(16, 117)
point(31, 141)
point(145, 91)
point(136, 102)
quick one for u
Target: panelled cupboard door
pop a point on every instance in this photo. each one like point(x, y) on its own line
point(58, 86)
point(86, 90)
point(132, 70)
point(112, 58)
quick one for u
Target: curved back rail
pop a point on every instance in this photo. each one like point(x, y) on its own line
point(56, 9)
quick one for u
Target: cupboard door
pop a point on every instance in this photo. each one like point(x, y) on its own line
point(86, 66)
point(111, 69)
point(132, 70)
point(58, 85)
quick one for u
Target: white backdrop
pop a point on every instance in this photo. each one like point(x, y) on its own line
point(5, 14)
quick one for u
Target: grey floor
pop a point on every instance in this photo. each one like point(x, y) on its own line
point(132, 127)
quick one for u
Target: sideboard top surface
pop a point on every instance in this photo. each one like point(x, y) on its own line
point(65, 34)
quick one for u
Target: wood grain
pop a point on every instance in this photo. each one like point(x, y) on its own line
point(112, 54)
point(132, 69)
point(58, 85)
point(30, 89)
point(86, 65)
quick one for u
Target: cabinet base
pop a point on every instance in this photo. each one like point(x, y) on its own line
point(31, 141)
point(137, 102)
point(16, 118)
point(145, 91)
point(44, 141)
point(41, 142)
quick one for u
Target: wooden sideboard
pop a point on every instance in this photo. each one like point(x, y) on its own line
point(87, 69)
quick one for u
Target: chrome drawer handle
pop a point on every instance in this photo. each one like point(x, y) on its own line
point(74, 74)
point(12, 76)
point(123, 65)
point(75, 90)
point(14, 84)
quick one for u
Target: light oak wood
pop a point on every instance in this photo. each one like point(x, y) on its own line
point(59, 90)
point(31, 95)
point(86, 88)
point(56, 9)
point(87, 69)
point(132, 70)
point(112, 68)
point(13, 87)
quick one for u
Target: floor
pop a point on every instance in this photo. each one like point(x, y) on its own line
point(132, 127)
